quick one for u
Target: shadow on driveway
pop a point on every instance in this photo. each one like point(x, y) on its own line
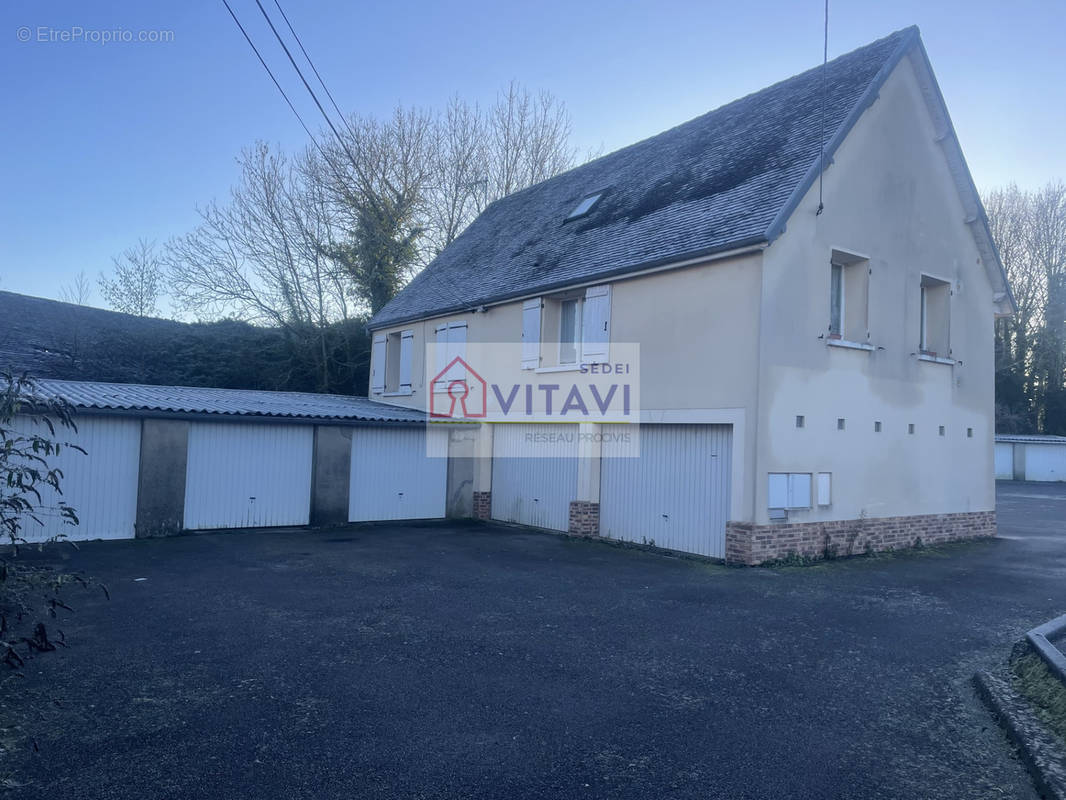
point(474, 661)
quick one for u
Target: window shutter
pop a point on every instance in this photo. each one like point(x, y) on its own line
point(596, 326)
point(377, 359)
point(456, 347)
point(407, 340)
point(531, 333)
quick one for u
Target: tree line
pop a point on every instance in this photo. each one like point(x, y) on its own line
point(308, 245)
point(1029, 228)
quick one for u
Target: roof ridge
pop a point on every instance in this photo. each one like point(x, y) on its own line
point(909, 30)
point(702, 186)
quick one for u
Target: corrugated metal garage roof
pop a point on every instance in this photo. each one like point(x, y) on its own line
point(1029, 438)
point(225, 402)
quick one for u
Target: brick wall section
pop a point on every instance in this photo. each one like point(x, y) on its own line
point(584, 518)
point(482, 505)
point(750, 544)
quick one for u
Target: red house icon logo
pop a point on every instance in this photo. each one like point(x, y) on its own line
point(458, 392)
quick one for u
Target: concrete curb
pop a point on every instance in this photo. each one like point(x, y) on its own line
point(1038, 639)
point(1040, 749)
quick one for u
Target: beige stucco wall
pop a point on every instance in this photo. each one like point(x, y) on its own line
point(697, 329)
point(888, 196)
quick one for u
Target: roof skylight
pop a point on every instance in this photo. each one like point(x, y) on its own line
point(585, 206)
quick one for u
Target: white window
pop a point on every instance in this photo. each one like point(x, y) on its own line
point(836, 300)
point(450, 344)
point(398, 354)
point(791, 490)
point(849, 289)
point(935, 318)
point(570, 330)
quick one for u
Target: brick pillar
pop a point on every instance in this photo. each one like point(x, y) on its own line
point(482, 505)
point(584, 518)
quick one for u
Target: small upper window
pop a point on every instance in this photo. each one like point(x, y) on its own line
point(585, 206)
point(849, 297)
point(935, 310)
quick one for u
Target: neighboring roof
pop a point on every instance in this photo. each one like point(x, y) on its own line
point(137, 398)
point(1029, 438)
point(46, 337)
point(728, 179)
point(718, 182)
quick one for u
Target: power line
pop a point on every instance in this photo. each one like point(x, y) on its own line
point(314, 69)
point(325, 116)
point(821, 135)
point(271, 74)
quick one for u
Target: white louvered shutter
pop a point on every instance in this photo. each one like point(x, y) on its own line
point(377, 360)
point(456, 348)
point(442, 356)
point(407, 341)
point(531, 333)
point(596, 327)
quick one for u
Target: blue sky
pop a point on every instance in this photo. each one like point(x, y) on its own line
point(106, 143)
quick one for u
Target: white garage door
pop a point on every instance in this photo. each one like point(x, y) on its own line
point(100, 484)
point(1004, 461)
point(392, 476)
point(675, 494)
point(248, 475)
point(534, 491)
point(1045, 462)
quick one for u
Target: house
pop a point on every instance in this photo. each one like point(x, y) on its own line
point(815, 333)
point(159, 460)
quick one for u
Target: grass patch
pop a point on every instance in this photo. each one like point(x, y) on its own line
point(1032, 679)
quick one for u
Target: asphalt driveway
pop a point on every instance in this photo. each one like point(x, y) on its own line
point(482, 661)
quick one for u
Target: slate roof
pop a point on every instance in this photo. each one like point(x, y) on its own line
point(1029, 438)
point(46, 338)
point(138, 398)
point(714, 183)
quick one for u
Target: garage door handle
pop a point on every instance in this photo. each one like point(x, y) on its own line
point(666, 516)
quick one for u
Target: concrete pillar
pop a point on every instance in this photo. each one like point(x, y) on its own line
point(585, 507)
point(482, 494)
point(161, 481)
point(462, 444)
point(1019, 461)
point(331, 468)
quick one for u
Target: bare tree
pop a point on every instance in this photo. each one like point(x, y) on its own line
point(528, 141)
point(457, 174)
point(136, 281)
point(480, 157)
point(78, 292)
point(1029, 229)
point(259, 256)
point(1048, 246)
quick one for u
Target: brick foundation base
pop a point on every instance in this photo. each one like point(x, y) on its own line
point(750, 544)
point(482, 505)
point(584, 518)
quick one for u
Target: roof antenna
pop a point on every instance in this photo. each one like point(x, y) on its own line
point(821, 140)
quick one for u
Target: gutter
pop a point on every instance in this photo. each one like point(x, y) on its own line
point(221, 416)
point(751, 244)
